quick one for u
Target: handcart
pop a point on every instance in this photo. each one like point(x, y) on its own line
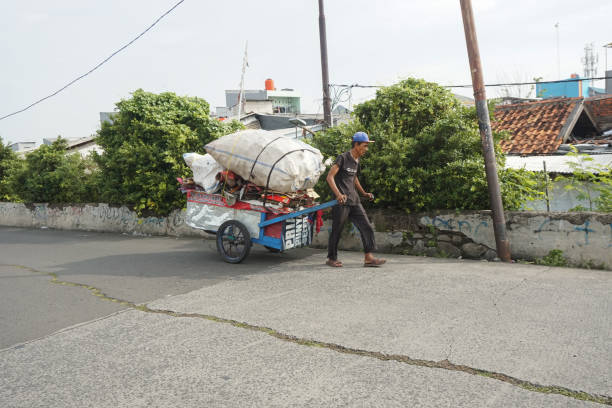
point(238, 225)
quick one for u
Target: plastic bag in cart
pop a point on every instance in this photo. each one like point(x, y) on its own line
point(205, 169)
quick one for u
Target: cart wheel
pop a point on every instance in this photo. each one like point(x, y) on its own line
point(274, 250)
point(233, 241)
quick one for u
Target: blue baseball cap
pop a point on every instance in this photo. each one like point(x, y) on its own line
point(361, 137)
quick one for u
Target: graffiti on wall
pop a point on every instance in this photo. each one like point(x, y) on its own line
point(582, 232)
point(95, 217)
point(448, 224)
point(556, 233)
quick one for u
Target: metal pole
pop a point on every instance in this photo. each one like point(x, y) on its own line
point(324, 70)
point(484, 124)
point(606, 63)
point(241, 94)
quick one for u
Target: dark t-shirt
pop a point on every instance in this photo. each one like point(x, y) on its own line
point(348, 168)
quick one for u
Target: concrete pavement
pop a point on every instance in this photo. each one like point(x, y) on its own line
point(418, 332)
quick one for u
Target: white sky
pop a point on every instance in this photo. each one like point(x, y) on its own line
point(197, 50)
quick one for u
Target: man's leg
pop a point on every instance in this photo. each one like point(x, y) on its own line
point(359, 217)
point(339, 216)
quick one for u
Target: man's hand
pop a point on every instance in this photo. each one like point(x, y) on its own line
point(341, 198)
point(370, 196)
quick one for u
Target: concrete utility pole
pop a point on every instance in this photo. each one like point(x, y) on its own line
point(325, 73)
point(484, 123)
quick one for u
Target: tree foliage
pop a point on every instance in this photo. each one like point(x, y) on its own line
point(49, 175)
point(143, 148)
point(8, 162)
point(427, 153)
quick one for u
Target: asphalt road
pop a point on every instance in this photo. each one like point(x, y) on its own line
point(111, 320)
point(137, 269)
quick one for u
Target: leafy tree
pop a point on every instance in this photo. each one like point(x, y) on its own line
point(8, 162)
point(427, 153)
point(143, 148)
point(520, 186)
point(50, 175)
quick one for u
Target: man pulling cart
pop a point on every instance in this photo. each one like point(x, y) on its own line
point(258, 190)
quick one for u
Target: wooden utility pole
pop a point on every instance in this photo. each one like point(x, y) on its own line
point(324, 70)
point(484, 124)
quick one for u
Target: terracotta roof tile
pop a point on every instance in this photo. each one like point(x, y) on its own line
point(601, 110)
point(534, 127)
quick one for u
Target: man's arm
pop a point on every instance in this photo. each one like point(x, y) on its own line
point(332, 184)
point(361, 190)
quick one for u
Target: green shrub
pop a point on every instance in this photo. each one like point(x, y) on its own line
point(554, 258)
point(49, 175)
point(427, 153)
point(9, 162)
point(143, 149)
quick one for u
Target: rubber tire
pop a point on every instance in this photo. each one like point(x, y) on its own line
point(274, 250)
point(242, 230)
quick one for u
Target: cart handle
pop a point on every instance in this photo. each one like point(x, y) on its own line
point(298, 213)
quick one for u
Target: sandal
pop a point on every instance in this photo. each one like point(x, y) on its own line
point(376, 262)
point(333, 263)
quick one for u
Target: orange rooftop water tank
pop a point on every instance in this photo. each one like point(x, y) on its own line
point(270, 85)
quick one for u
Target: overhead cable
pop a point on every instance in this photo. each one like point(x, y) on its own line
point(96, 67)
point(470, 85)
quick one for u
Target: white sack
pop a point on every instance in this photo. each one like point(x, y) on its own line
point(239, 151)
point(204, 168)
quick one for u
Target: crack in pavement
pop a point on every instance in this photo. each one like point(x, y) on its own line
point(443, 364)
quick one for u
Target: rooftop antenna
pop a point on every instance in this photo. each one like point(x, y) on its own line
point(245, 64)
point(558, 57)
point(589, 61)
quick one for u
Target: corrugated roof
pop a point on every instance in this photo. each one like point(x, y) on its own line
point(554, 164)
point(81, 141)
point(291, 132)
point(535, 127)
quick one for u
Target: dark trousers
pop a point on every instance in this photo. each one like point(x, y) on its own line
point(357, 215)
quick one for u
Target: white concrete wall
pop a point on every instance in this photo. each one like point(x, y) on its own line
point(258, 107)
point(583, 237)
point(561, 199)
point(86, 150)
point(94, 217)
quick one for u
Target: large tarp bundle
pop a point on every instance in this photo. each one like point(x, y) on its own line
point(269, 160)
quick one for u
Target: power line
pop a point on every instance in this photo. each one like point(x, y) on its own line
point(532, 83)
point(470, 85)
point(97, 66)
